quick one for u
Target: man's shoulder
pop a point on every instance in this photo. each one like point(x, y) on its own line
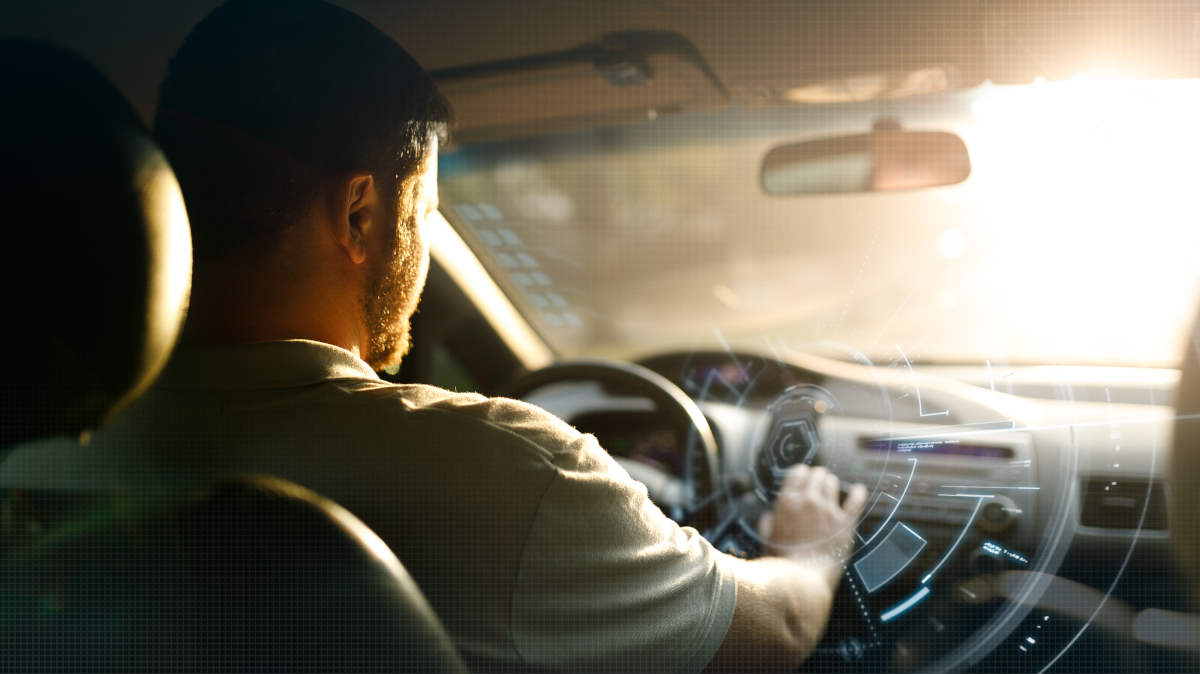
point(476, 413)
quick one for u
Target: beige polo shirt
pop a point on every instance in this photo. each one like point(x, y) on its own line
point(534, 547)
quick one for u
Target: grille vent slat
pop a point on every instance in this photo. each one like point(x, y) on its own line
point(1106, 505)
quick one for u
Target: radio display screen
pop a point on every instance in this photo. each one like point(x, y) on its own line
point(947, 447)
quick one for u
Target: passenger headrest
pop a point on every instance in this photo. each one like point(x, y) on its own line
point(1185, 468)
point(96, 260)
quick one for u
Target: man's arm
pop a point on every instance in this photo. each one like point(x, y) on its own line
point(783, 601)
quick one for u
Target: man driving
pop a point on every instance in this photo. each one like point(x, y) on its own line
point(305, 141)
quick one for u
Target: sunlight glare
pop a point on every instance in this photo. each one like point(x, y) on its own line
point(1096, 177)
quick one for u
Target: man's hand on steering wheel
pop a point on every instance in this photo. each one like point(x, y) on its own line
point(808, 526)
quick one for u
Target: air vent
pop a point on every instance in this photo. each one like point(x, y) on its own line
point(1119, 504)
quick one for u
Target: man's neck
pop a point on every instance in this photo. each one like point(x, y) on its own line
point(242, 303)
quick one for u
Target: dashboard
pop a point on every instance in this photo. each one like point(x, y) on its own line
point(1000, 531)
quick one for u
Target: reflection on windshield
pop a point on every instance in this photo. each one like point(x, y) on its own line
point(1075, 240)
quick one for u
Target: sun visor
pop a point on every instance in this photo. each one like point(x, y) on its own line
point(623, 78)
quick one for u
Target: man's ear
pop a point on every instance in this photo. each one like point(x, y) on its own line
point(355, 210)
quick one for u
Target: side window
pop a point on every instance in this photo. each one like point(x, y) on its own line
point(449, 373)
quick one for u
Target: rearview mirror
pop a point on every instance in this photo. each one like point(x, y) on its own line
point(885, 159)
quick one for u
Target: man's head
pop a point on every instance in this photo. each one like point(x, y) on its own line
point(268, 104)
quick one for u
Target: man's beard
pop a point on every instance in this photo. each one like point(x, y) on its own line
point(391, 296)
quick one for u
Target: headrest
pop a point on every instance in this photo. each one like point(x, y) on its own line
point(96, 261)
point(1185, 468)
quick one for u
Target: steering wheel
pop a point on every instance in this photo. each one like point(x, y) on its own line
point(701, 469)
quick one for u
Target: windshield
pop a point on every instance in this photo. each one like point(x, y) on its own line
point(1075, 240)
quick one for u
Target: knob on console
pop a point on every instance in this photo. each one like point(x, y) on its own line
point(998, 515)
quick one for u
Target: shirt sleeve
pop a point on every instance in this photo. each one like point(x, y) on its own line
point(607, 583)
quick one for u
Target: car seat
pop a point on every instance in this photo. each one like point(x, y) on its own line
point(251, 574)
point(1185, 468)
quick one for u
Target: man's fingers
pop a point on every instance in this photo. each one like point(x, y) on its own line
point(855, 500)
point(766, 524)
point(817, 478)
point(830, 485)
point(796, 478)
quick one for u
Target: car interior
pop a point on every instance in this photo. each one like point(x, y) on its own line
point(251, 573)
point(949, 250)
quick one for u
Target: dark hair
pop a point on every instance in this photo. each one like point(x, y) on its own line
point(267, 99)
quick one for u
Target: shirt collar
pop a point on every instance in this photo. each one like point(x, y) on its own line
point(265, 365)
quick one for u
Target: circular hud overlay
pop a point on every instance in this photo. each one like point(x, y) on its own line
point(957, 553)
